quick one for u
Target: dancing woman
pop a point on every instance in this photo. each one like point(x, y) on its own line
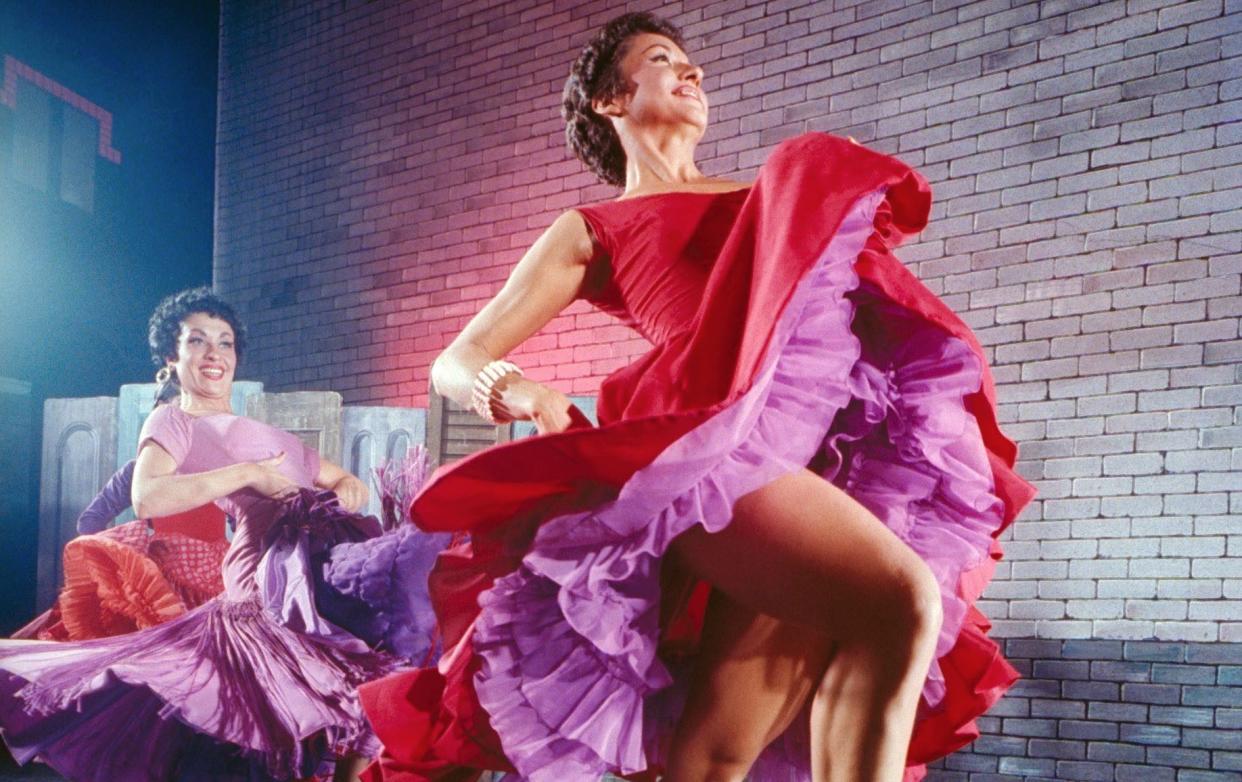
point(123, 578)
point(257, 684)
point(812, 435)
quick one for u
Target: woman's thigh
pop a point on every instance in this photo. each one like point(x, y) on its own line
point(752, 677)
point(800, 550)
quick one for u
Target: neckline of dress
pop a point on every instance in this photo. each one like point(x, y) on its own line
point(745, 189)
point(212, 414)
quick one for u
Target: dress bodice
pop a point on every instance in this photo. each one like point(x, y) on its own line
point(654, 254)
point(202, 443)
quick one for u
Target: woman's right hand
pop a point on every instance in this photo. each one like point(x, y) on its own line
point(544, 406)
point(270, 482)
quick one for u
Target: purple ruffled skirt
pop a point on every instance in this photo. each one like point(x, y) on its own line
point(570, 677)
point(252, 688)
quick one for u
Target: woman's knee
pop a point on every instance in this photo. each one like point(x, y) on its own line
point(911, 604)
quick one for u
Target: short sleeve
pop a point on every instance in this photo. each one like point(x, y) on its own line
point(169, 428)
point(597, 281)
point(598, 230)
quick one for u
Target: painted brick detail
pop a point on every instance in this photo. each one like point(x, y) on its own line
point(1110, 710)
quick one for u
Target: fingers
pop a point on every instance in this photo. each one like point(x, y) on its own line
point(552, 421)
point(352, 493)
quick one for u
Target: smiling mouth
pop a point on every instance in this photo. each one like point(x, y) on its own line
point(689, 92)
point(212, 373)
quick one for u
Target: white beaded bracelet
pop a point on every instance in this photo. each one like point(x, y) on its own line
point(484, 397)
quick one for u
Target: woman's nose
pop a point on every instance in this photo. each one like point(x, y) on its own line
point(692, 73)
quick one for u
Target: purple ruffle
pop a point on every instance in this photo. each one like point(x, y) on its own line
point(264, 674)
point(377, 590)
point(570, 677)
point(305, 529)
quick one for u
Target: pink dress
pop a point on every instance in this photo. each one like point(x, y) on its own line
point(255, 684)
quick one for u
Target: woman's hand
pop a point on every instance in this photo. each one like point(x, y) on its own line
point(352, 493)
point(546, 407)
point(270, 482)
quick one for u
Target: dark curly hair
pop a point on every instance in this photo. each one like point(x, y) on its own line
point(164, 328)
point(595, 75)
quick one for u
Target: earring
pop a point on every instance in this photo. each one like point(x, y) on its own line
point(164, 375)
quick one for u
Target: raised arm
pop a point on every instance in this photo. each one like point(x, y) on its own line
point(543, 283)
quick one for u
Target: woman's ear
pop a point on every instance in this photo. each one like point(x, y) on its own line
point(608, 107)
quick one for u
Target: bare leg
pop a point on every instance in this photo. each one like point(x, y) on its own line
point(850, 742)
point(802, 552)
point(752, 676)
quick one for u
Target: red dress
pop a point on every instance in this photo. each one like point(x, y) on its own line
point(785, 335)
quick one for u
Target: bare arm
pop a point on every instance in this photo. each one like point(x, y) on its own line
point(158, 491)
point(542, 284)
point(351, 491)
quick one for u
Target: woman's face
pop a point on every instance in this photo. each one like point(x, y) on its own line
point(206, 357)
point(664, 87)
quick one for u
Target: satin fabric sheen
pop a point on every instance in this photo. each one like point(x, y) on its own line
point(785, 333)
point(254, 684)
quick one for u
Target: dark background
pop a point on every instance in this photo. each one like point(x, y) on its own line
point(76, 286)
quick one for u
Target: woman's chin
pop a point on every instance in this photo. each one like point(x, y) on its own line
point(216, 389)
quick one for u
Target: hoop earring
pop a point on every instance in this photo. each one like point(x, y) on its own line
point(164, 375)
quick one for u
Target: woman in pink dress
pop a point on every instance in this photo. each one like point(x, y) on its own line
point(258, 683)
point(811, 440)
point(123, 578)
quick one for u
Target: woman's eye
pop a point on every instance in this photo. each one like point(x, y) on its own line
point(194, 340)
point(660, 57)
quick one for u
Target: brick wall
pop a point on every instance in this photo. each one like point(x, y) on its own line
point(1133, 711)
point(381, 166)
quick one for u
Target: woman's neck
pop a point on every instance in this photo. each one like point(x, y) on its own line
point(198, 405)
point(655, 163)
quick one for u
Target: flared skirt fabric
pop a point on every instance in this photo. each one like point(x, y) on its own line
point(125, 579)
point(558, 672)
point(256, 686)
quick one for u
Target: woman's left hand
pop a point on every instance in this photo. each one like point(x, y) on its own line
point(351, 492)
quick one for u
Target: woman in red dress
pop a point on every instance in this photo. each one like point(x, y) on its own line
point(811, 441)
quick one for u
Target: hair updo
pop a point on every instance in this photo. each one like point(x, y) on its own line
point(595, 75)
point(165, 325)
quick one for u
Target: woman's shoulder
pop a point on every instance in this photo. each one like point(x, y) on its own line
point(166, 416)
point(169, 427)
